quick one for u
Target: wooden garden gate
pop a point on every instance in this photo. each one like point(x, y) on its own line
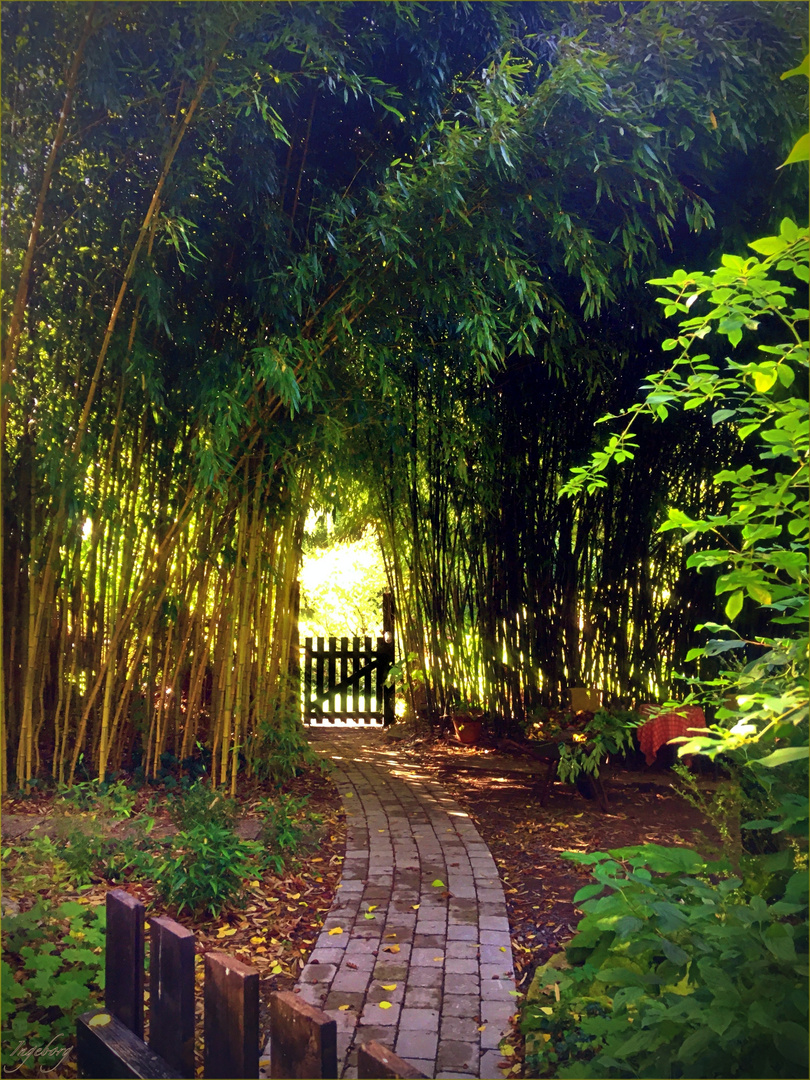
point(346, 683)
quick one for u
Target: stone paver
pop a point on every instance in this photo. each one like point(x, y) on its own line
point(444, 948)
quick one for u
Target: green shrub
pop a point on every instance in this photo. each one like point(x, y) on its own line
point(279, 749)
point(57, 955)
point(113, 799)
point(678, 971)
point(285, 827)
point(201, 804)
point(206, 867)
point(607, 732)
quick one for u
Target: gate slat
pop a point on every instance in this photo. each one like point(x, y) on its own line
point(319, 687)
point(332, 677)
point(308, 713)
point(381, 672)
point(367, 680)
point(344, 674)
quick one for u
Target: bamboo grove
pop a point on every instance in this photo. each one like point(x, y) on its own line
point(257, 254)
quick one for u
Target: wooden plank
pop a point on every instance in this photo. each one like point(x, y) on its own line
point(369, 652)
point(344, 674)
point(107, 1050)
point(331, 676)
point(171, 994)
point(379, 690)
point(319, 664)
point(303, 1040)
point(356, 685)
point(231, 1020)
point(377, 1062)
point(308, 680)
point(123, 960)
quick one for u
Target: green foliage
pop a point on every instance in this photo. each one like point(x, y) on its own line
point(205, 868)
point(91, 854)
point(678, 971)
point(287, 827)
point(52, 971)
point(759, 542)
point(609, 731)
point(278, 750)
point(201, 804)
point(114, 799)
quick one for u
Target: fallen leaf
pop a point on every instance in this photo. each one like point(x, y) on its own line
point(373, 907)
point(255, 884)
point(390, 935)
point(483, 1027)
point(343, 1008)
point(369, 915)
point(225, 931)
point(335, 930)
point(388, 986)
point(385, 1004)
point(507, 1050)
point(503, 948)
point(319, 859)
point(439, 884)
point(276, 969)
point(257, 940)
point(351, 964)
point(438, 959)
point(390, 948)
point(99, 1021)
point(415, 907)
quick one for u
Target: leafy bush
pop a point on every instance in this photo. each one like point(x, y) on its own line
point(201, 804)
point(206, 867)
point(607, 732)
point(57, 956)
point(279, 749)
point(113, 799)
point(679, 971)
point(286, 823)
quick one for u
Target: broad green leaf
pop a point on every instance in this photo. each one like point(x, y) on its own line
point(800, 152)
point(801, 69)
point(784, 755)
point(734, 605)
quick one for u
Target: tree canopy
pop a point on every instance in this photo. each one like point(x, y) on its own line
point(390, 257)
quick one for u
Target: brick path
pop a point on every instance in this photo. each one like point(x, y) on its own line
point(452, 969)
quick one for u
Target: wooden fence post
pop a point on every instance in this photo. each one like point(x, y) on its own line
point(231, 1018)
point(377, 1062)
point(171, 994)
point(107, 1050)
point(123, 961)
point(303, 1040)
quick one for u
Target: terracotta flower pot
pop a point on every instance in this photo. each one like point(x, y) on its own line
point(467, 728)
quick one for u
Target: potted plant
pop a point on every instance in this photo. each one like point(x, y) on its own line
point(468, 721)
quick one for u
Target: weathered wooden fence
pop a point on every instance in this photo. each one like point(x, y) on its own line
point(110, 1043)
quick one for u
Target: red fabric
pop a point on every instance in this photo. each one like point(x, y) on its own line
point(658, 731)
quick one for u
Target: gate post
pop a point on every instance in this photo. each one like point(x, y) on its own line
point(388, 635)
point(294, 662)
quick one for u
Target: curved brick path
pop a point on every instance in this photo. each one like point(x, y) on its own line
point(453, 970)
